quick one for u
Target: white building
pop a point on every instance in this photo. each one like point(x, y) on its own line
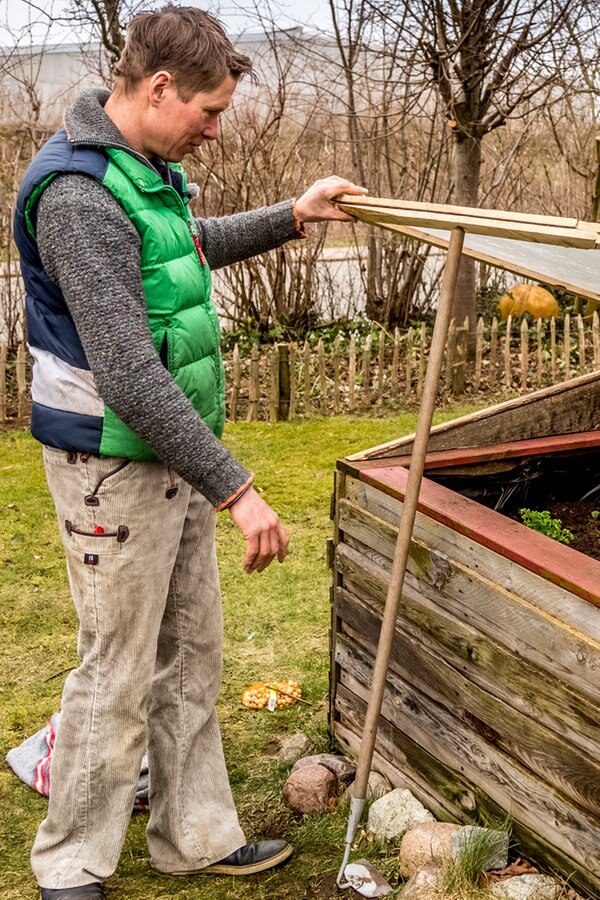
point(38, 81)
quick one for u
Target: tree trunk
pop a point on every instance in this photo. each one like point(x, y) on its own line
point(596, 197)
point(375, 306)
point(467, 167)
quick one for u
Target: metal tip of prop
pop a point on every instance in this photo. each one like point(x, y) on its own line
point(340, 875)
point(357, 805)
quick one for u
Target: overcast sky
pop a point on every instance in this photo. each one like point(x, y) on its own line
point(35, 18)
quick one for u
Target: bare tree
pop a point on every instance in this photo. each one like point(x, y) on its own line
point(275, 141)
point(105, 21)
point(487, 60)
point(94, 23)
point(15, 150)
point(395, 132)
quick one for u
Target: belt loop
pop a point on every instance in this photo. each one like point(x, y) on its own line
point(172, 489)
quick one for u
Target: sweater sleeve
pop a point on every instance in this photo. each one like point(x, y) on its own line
point(229, 239)
point(91, 250)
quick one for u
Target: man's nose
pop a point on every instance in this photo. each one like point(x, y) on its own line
point(211, 131)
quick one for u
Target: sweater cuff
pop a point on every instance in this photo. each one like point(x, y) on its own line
point(299, 225)
point(236, 496)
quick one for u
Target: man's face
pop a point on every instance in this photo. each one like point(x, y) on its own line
point(178, 128)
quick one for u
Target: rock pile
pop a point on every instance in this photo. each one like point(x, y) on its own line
point(427, 847)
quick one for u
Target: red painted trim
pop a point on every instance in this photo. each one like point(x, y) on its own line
point(556, 562)
point(555, 443)
point(464, 456)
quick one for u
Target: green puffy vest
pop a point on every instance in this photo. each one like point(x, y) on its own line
point(177, 287)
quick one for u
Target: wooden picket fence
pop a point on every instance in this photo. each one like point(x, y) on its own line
point(287, 381)
point(14, 385)
point(383, 372)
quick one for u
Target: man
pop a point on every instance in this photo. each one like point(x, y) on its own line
point(128, 400)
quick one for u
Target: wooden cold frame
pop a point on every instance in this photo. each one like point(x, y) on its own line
point(491, 705)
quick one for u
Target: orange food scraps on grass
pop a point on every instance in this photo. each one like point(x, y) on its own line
point(285, 693)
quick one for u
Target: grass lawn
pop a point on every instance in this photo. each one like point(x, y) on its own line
point(276, 627)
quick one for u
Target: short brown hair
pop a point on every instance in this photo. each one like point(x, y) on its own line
point(185, 41)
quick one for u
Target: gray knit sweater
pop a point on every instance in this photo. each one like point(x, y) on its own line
point(91, 250)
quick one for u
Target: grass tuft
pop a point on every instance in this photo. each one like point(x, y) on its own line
point(462, 877)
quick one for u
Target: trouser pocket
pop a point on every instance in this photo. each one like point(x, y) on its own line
point(121, 534)
point(106, 480)
point(91, 543)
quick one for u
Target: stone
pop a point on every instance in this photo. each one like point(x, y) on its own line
point(377, 785)
point(311, 789)
point(341, 767)
point(426, 843)
point(528, 887)
point(393, 815)
point(496, 840)
point(289, 749)
point(365, 880)
point(423, 885)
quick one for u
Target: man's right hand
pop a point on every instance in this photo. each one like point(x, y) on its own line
point(265, 536)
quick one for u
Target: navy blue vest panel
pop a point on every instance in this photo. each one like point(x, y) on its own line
point(177, 181)
point(55, 332)
point(49, 323)
point(66, 430)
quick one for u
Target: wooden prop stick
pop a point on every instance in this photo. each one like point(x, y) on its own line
point(409, 510)
point(395, 214)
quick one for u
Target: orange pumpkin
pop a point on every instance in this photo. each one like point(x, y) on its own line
point(528, 298)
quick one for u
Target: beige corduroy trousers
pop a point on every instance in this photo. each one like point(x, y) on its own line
point(140, 548)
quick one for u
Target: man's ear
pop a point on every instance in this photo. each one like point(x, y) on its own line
point(158, 86)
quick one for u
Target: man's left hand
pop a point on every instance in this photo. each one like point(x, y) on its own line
point(265, 536)
point(315, 204)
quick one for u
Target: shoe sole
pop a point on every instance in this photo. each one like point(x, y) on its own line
point(251, 869)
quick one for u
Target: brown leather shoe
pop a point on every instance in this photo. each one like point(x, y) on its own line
point(91, 891)
point(248, 860)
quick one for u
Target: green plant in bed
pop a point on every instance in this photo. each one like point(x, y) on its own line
point(542, 521)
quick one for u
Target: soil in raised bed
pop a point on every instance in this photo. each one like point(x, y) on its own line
point(577, 517)
point(568, 487)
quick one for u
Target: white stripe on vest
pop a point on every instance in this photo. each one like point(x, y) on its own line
point(60, 386)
